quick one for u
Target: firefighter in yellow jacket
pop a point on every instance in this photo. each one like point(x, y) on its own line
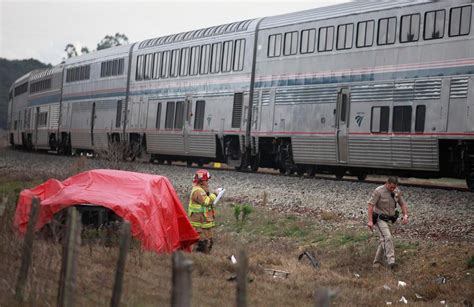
point(201, 210)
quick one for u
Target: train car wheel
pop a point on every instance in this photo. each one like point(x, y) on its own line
point(470, 181)
point(300, 171)
point(361, 176)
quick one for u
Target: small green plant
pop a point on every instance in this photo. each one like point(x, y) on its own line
point(470, 262)
point(241, 214)
point(237, 210)
point(246, 211)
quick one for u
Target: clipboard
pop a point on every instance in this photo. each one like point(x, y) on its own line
point(219, 196)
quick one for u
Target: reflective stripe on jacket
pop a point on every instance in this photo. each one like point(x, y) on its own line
point(205, 210)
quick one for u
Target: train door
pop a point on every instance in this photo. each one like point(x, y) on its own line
point(188, 125)
point(180, 126)
point(93, 117)
point(18, 130)
point(342, 121)
point(134, 114)
point(267, 110)
point(37, 122)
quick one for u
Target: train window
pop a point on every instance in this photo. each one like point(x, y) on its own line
point(165, 64)
point(386, 31)
point(409, 28)
point(274, 45)
point(149, 58)
point(111, 68)
point(420, 118)
point(326, 38)
point(169, 115)
point(227, 56)
point(194, 69)
point(237, 110)
point(344, 36)
point(158, 116)
point(156, 65)
point(73, 74)
point(379, 119)
point(199, 117)
point(174, 64)
point(77, 73)
point(121, 64)
point(20, 89)
point(239, 53)
point(460, 20)
point(40, 86)
point(308, 40)
point(103, 69)
point(118, 115)
point(365, 33)
point(184, 64)
point(139, 72)
point(401, 119)
point(179, 115)
point(205, 53)
point(115, 67)
point(434, 25)
point(42, 119)
point(216, 57)
point(291, 43)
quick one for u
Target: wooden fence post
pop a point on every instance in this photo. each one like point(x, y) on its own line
point(27, 250)
point(68, 264)
point(120, 271)
point(181, 288)
point(242, 279)
point(322, 298)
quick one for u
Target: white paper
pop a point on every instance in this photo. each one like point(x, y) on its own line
point(219, 196)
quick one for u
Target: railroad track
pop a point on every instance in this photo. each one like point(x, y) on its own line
point(408, 182)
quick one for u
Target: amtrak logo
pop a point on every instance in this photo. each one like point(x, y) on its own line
point(359, 118)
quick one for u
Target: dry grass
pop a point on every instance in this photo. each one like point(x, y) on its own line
point(272, 240)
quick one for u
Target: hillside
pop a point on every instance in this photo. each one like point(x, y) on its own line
point(9, 72)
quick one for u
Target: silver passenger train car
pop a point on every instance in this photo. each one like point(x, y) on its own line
point(358, 88)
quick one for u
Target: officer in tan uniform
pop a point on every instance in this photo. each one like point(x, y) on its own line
point(381, 212)
point(201, 210)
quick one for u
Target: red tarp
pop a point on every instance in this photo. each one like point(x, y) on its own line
point(148, 202)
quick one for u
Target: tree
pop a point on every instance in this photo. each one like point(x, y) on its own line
point(84, 50)
point(111, 41)
point(108, 41)
point(70, 50)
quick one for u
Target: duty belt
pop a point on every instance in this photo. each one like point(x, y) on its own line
point(384, 217)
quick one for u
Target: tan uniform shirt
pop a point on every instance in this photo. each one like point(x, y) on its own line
point(383, 201)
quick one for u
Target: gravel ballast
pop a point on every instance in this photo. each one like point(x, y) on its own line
point(434, 213)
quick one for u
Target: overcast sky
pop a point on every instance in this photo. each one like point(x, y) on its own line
point(41, 29)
